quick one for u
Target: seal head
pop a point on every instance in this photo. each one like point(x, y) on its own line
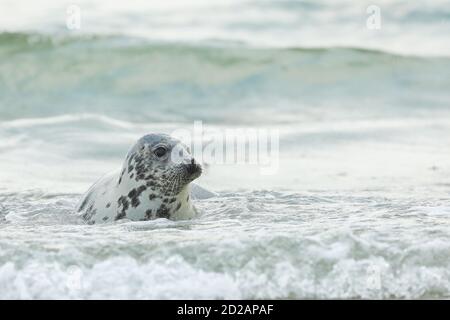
point(162, 162)
point(153, 183)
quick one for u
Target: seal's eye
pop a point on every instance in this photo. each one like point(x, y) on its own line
point(160, 152)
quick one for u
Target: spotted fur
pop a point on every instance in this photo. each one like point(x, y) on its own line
point(146, 187)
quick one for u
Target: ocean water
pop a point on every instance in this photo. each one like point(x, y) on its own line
point(358, 208)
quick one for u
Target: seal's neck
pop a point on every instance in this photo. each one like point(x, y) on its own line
point(152, 202)
point(177, 206)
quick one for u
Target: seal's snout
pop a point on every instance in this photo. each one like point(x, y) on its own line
point(193, 168)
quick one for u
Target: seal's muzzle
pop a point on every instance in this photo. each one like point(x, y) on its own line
point(193, 169)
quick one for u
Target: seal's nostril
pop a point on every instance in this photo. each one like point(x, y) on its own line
point(193, 167)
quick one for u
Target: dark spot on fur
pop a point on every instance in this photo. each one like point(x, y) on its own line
point(132, 193)
point(178, 206)
point(135, 194)
point(187, 199)
point(140, 167)
point(105, 218)
point(130, 159)
point(90, 212)
point(122, 202)
point(135, 202)
point(172, 200)
point(131, 176)
point(140, 176)
point(108, 204)
point(85, 201)
point(121, 175)
point(148, 214)
point(151, 196)
point(163, 212)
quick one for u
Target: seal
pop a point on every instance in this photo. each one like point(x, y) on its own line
point(154, 182)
